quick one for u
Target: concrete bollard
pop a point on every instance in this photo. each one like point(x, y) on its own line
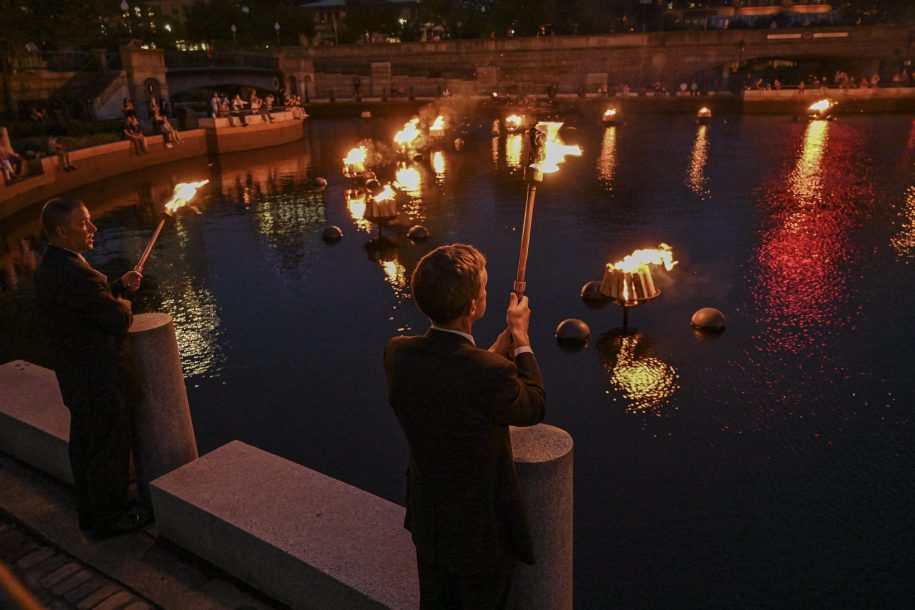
point(165, 432)
point(543, 457)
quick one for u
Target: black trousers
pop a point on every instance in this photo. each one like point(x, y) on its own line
point(444, 589)
point(100, 442)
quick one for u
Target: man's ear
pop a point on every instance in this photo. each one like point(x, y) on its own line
point(472, 308)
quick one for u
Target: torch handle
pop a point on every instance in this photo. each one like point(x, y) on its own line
point(149, 246)
point(520, 283)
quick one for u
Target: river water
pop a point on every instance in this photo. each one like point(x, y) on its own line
point(772, 465)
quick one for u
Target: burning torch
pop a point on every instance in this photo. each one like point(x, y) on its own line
point(546, 153)
point(183, 194)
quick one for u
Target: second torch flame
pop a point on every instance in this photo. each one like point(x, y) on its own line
point(554, 150)
point(183, 194)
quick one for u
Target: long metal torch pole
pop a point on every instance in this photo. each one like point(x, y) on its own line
point(149, 246)
point(520, 283)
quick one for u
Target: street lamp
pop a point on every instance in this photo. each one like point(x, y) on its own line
point(276, 28)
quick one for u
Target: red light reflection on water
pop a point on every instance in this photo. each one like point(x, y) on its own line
point(805, 250)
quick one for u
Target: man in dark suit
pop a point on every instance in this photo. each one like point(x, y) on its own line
point(87, 329)
point(455, 402)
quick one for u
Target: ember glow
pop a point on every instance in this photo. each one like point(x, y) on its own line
point(555, 150)
point(408, 134)
point(183, 194)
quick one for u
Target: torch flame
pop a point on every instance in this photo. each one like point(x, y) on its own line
point(555, 150)
point(183, 194)
point(662, 255)
point(356, 157)
point(438, 126)
point(821, 106)
point(408, 134)
point(386, 193)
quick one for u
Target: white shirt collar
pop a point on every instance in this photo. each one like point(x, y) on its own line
point(467, 336)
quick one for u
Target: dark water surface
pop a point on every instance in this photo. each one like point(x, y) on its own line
point(770, 466)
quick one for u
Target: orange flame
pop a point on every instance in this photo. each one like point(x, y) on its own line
point(408, 179)
point(555, 149)
point(609, 113)
point(183, 194)
point(386, 193)
point(408, 133)
point(438, 126)
point(704, 113)
point(355, 159)
point(513, 121)
point(662, 255)
point(821, 106)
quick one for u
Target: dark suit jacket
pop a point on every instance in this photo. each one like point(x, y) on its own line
point(87, 329)
point(455, 402)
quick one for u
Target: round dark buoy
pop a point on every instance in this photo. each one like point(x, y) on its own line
point(592, 296)
point(332, 234)
point(573, 333)
point(316, 184)
point(417, 157)
point(418, 233)
point(708, 319)
point(458, 144)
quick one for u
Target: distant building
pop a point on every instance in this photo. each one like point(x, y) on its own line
point(328, 16)
point(172, 11)
point(726, 14)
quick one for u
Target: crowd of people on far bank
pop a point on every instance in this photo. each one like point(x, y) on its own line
point(237, 109)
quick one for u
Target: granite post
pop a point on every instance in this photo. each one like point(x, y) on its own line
point(165, 432)
point(543, 457)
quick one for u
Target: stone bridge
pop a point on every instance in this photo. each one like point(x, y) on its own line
point(528, 65)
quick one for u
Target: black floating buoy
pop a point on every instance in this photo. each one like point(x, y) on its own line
point(573, 333)
point(708, 319)
point(592, 296)
point(418, 233)
point(332, 234)
point(316, 184)
point(458, 144)
point(417, 157)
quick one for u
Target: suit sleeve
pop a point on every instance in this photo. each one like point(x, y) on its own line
point(518, 393)
point(89, 294)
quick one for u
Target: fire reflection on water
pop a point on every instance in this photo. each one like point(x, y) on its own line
point(904, 240)
point(514, 145)
point(806, 181)
point(696, 179)
point(606, 162)
point(645, 382)
point(438, 166)
point(803, 257)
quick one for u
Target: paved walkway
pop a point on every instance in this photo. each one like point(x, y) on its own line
point(42, 545)
point(57, 579)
